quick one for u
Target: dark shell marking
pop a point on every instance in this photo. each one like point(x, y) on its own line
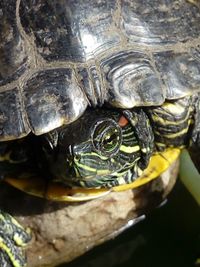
point(58, 57)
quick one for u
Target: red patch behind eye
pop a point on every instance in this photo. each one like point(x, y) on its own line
point(122, 121)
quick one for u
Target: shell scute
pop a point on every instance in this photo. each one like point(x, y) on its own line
point(53, 98)
point(13, 123)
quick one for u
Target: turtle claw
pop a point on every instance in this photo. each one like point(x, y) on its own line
point(12, 238)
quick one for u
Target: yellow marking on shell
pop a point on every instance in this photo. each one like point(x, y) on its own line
point(9, 253)
point(38, 187)
point(129, 149)
point(158, 164)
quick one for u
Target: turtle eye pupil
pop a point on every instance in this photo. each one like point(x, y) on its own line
point(107, 137)
point(110, 141)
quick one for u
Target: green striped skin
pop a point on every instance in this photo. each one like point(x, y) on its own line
point(173, 122)
point(108, 170)
point(105, 154)
point(96, 151)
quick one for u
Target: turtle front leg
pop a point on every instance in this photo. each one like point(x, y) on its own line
point(13, 237)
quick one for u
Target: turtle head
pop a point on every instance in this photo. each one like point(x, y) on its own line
point(103, 148)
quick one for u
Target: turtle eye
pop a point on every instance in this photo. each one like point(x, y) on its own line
point(106, 137)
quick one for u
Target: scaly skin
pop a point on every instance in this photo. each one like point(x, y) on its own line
point(13, 237)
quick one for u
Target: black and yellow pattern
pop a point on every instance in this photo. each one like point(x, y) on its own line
point(172, 122)
point(12, 239)
point(131, 145)
point(105, 171)
point(118, 150)
point(37, 186)
point(115, 149)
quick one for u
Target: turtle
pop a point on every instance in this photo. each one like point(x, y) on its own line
point(94, 96)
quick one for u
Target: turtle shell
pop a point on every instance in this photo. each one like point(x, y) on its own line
point(33, 184)
point(58, 57)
